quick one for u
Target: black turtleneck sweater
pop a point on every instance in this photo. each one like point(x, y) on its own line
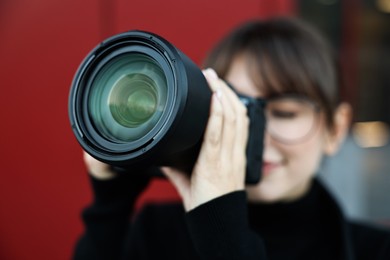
point(224, 228)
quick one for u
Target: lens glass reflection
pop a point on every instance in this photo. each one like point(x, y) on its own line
point(128, 96)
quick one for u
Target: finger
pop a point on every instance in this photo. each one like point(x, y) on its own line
point(229, 133)
point(235, 127)
point(240, 110)
point(241, 118)
point(217, 84)
point(233, 139)
point(235, 124)
point(226, 133)
point(212, 76)
point(240, 139)
point(97, 168)
point(240, 145)
point(211, 145)
point(231, 94)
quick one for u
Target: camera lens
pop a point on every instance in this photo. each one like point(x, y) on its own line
point(128, 96)
point(138, 101)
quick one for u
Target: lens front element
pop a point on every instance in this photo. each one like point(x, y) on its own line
point(133, 100)
point(127, 98)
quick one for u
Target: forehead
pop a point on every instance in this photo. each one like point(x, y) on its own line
point(239, 76)
point(263, 78)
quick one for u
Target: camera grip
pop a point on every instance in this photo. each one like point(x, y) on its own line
point(255, 145)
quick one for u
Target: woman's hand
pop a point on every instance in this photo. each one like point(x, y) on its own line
point(221, 164)
point(97, 169)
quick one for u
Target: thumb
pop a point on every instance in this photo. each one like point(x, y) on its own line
point(181, 181)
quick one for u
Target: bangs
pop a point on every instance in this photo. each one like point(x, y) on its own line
point(284, 56)
point(277, 70)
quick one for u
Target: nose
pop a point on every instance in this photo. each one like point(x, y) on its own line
point(267, 138)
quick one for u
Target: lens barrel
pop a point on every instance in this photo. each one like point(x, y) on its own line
point(136, 100)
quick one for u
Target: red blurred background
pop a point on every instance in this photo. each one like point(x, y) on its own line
point(44, 185)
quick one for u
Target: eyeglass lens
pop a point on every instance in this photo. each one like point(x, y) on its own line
point(290, 119)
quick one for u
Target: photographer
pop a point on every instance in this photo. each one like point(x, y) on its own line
point(288, 214)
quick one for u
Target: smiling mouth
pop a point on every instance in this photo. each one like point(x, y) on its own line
point(268, 167)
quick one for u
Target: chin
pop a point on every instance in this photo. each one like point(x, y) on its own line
point(261, 194)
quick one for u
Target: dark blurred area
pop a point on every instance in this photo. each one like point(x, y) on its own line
point(360, 32)
point(44, 185)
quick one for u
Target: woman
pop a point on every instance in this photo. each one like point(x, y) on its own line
point(289, 214)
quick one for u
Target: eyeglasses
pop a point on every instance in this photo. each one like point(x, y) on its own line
point(289, 118)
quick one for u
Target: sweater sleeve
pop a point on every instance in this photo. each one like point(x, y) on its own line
point(219, 229)
point(106, 220)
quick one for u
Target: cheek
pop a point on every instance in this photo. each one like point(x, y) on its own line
point(300, 163)
point(304, 159)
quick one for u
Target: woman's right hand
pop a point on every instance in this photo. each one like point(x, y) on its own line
point(221, 164)
point(98, 169)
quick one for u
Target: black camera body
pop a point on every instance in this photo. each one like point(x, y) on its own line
point(137, 101)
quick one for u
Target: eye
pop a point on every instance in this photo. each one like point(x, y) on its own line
point(282, 114)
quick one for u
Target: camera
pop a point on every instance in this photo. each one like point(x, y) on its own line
point(137, 101)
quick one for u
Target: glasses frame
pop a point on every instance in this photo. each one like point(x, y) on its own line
point(315, 125)
point(249, 101)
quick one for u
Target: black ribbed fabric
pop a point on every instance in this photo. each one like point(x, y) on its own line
point(224, 228)
point(227, 233)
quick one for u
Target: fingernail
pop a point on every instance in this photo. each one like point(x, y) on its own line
point(210, 72)
point(218, 94)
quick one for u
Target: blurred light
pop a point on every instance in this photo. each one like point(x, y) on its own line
point(383, 5)
point(371, 134)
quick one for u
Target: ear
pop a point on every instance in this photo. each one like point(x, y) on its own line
point(336, 135)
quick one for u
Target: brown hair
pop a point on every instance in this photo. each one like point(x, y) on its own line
point(285, 56)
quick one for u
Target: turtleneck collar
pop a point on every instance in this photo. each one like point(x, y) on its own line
point(301, 209)
point(312, 221)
